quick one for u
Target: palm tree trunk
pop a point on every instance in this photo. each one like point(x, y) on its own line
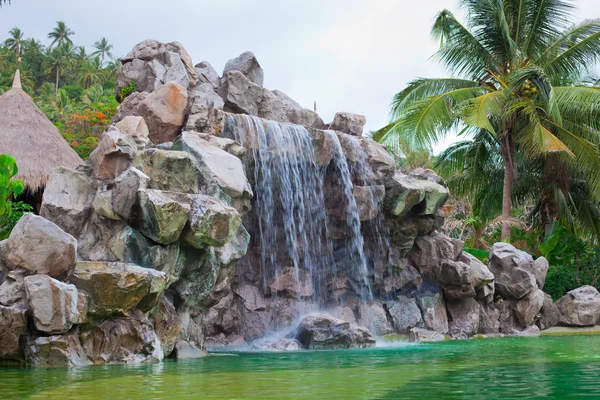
point(508, 153)
point(57, 76)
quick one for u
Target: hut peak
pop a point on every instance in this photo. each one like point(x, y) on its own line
point(17, 81)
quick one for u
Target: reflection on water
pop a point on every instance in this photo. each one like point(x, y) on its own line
point(477, 369)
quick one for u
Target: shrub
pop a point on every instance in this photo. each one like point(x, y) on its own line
point(126, 91)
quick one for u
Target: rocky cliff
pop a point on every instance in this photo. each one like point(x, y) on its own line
point(215, 212)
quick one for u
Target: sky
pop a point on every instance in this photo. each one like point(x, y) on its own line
point(347, 55)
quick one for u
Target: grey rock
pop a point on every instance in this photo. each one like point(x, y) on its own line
point(130, 106)
point(433, 308)
point(368, 200)
point(283, 344)
point(56, 351)
point(464, 317)
point(423, 336)
point(207, 74)
point(322, 332)
point(405, 313)
point(113, 156)
point(306, 117)
point(185, 350)
point(549, 314)
point(528, 307)
point(406, 195)
point(374, 318)
point(241, 96)
point(135, 127)
point(348, 123)
point(251, 296)
point(162, 215)
point(164, 111)
point(12, 290)
point(381, 162)
point(512, 271)
point(124, 194)
point(291, 283)
point(169, 170)
point(247, 64)
point(13, 325)
point(204, 102)
point(540, 269)
point(580, 307)
point(273, 107)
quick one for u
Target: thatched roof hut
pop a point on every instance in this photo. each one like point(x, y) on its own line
point(30, 137)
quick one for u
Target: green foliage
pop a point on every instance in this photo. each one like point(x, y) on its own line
point(482, 255)
point(126, 91)
point(73, 91)
point(9, 187)
point(9, 220)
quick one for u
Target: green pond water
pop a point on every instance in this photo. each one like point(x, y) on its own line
point(547, 367)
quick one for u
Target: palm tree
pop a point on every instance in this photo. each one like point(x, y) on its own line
point(103, 49)
point(60, 34)
point(15, 41)
point(516, 68)
point(57, 60)
point(89, 73)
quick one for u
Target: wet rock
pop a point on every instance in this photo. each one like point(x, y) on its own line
point(135, 127)
point(368, 200)
point(528, 307)
point(463, 317)
point(423, 336)
point(219, 169)
point(344, 313)
point(56, 351)
point(580, 307)
point(381, 162)
point(292, 283)
point(169, 170)
point(348, 123)
point(241, 96)
point(162, 215)
point(124, 194)
point(211, 223)
point(322, 332)
point(54, 305)
point(405, 313)
point(41, 247)
point(247, 64)
point(116, 288)
point(13, 325)
point(283, 344)
point(186, 350)
point(207, 74)
point(235, 248)
point(204, 101)
point(198, 278)
point(433, 308)
point(407, 195)
point(407, 278)
point(532, 331)
point(164, 112)
point(549, 314)
point(167, 324)
point(512, 271)
point(251, 296)
point(307, 118)
point(68, 199)
point(130, 246)
point(12, 290)
point(374, 318)
point(129, 340)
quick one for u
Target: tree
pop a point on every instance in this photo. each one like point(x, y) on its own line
point(89, 73)
point(60, 34)
point(15, 41)
point(58, 59)
point(103, 48)
point(516, 71)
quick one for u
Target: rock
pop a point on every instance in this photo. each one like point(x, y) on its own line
point(68, 199)
point(56, 351)
point(368, 199)
point(348, 123)
point(185, 350)
point(382, 164)
point(162, 218)
point(580, 307)
point(489, 319)
point(228, 145)
point(292, 283)
point(512, 271)
point(283, 344)
point(203, 103)
point(219, 169)
point(425, 174)
point(549, 314)
point(102, 204)
point(198, 278)
point(211, 223)
point(507, 320)
point(540, 269)
point(405, 314)
point(424, 336)
point(455, 278)
point(430, 251)
point(164, 111)
point(167, 324)
point(251, 296)
point(322, 332)
point(374, 318)
point(124, 194)
point(130, 246)
point(247, 64)
point(207, 74)
point(433, 308)
point(145, 50)
point(116, 288)
point(406, 195)
point(129, 340)
point(528, 307)
point(130, 107)
point(41, 247)
point(235, 248)
point(135, 127)
point(463, 317)
point(324, 145)
point(186, 60)
point(481, 277)
point(241, 95)
point(113, 155)
point(12, 290)
point(169, 170)
point(532, 331)
point(13, 325)
point(54, 305)
point(273, 107)
point(307, 118)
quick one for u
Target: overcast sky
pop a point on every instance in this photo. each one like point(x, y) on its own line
point(347, 55)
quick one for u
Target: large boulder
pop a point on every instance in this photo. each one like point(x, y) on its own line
point(307, 118)
point(211, 223)
point(169, 170)
point(352, 124)
point(167, 324)
point(124, 194)
point(381, 163)
point(455, 278)
point(164, 111)
point(130, 106)
point(207, 74)
point(219, 169)
point(322, 332)
point(198, 277)
point(540, 269)
point(116, 288)
point(528, 307)
point(162, 215)
point(68, 199)
point(481, 277)
point(405, 313)
point(204, 102)
point(241, 96)
point(433, 308)
point(374, 317)
point(113, 155)
point(580, 307)
point(512, 270)
point(41, 247)
point(407, 195)
point(13, 325)
point(56, 351)
point(283, 344)
point(247, 64)
point(549, 314)
point(135, 127)
point(186, 350)
point(463, 317)
point(430, 251)
point(275, 108)
point(54, 305)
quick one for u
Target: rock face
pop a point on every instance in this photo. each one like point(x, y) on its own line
point(512, 271)
point(322, 332)
point(164, 112)
point(13, 325)
point(580, 307)
point(348, 123)
point(247, 64)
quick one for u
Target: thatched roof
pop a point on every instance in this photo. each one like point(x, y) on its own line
point(30, 137)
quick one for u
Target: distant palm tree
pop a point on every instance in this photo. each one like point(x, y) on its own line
point(89, 73)
point(15, 41)
point(59, 59)
point(60, 34)
point(103, 48)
